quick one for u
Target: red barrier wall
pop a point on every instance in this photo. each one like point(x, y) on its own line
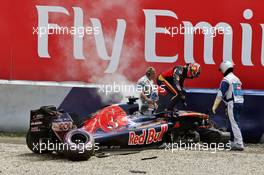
point(23, 51)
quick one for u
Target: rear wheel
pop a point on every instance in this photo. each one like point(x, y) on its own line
point(80, 145)
point(35, 145)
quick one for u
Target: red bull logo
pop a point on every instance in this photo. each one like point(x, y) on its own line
point(148, 136)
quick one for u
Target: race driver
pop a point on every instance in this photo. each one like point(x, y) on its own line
point(231, 93)
point(148, 92)
point(173, 81)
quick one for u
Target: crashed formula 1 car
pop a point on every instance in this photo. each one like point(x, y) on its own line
point(116, 126)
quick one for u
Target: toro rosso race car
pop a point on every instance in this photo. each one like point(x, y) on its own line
point(116, 126)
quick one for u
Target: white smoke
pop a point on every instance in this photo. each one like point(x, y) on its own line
point(93, 64)
point(128, 54)
point(116, 88)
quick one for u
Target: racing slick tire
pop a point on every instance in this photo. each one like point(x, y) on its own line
point(34, 144)
point(195, 137)
point(185, 136)
point(213, 135)
point(80, 145)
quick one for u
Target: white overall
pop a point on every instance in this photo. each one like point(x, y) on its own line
point(150, 91)
point(232, 97)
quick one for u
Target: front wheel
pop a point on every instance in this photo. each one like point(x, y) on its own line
point(213, 135)
point(185, 136)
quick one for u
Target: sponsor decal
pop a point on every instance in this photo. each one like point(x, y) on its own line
point(36, 123)
point(108, 119)
point(135, 139)
point(34, 129)
point(37, 117)
point(62, 126)
point(148, 136)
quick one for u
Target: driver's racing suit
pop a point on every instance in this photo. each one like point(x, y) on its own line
point(173, 80)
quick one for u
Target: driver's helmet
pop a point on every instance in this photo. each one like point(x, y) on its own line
point(193, 70)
